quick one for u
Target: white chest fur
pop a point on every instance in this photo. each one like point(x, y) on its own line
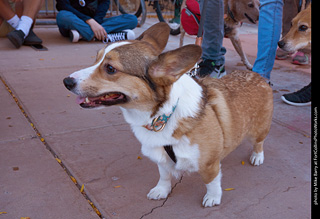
point(189, 94)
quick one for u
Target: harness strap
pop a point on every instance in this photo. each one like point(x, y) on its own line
point(170, 152)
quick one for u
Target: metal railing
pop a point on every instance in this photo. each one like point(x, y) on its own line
point(48, 10)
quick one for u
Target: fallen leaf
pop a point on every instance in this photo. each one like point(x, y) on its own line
point(82, 188)
point(242, 162)
point(3, 212)
point(73, 179)
point(116, 187)
point(59, 161)
point(139, 158)
point(229, 189)
point(94, 208)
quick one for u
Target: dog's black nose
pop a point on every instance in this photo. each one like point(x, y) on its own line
point(281, 43)
point(70, 83)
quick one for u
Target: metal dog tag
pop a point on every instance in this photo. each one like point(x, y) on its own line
point(82, 3)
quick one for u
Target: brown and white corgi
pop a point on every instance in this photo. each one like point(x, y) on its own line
point(200, 121)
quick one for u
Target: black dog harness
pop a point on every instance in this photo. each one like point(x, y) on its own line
point(170, 152)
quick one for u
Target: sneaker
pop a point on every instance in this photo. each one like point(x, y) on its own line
point(16, 37)
point(208, 67)
point(74, 36)
point(32, 39)
point(300, 98)
point(119, 36)
point(300, 58)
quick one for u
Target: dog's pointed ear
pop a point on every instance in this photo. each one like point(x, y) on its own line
point(170, 66)
point(157, 35)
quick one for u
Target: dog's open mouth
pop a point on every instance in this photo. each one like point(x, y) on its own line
point(107, 99)
point(249, 18)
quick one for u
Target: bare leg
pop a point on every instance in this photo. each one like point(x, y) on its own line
point(31, 7)
point(6, 12)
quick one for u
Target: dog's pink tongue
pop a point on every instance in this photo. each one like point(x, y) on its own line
point(80, 99)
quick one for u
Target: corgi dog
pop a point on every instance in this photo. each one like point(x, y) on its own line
point(299, 35)
point(183, 125)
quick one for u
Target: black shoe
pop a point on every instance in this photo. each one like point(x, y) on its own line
point(32, 39)
point(16, 37)
point(300, 98)
point(208, 67)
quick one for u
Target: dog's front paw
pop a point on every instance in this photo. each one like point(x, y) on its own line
point(257, 159)
point(211, 200)
point(159, 192)
point(249, 66)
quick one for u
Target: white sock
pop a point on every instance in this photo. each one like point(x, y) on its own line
point(25, 25)
point(14, 21)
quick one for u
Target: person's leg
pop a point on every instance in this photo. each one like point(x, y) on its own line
point(6, 11)
point(120, 23)
point(8, 14)
point(27, 11)
point(269, 31)
point(213, 32)
point(31, 8)
point(67, 21)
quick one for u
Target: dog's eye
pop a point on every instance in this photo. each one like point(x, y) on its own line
point(110, 69)
point(251, 5)
point(303, 28)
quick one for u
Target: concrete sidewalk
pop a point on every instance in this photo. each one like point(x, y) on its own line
point(50, 147)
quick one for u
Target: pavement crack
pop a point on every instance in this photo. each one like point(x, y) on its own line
point(164, 201)
point(292, 128)
point(48, 147)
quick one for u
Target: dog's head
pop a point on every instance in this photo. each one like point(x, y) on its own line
point(245, 10)
point(299, 35)
point(133, 74)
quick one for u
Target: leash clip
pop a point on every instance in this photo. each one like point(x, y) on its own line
point(193, 72)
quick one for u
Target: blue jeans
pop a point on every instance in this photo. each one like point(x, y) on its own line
point(67, 21)
point(213, 32)
point(269, 30)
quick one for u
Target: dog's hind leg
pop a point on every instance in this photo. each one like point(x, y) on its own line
point(257, 156)
point(237, 45)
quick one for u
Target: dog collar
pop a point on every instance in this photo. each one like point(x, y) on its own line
point(160, 122)
point(231, 14)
